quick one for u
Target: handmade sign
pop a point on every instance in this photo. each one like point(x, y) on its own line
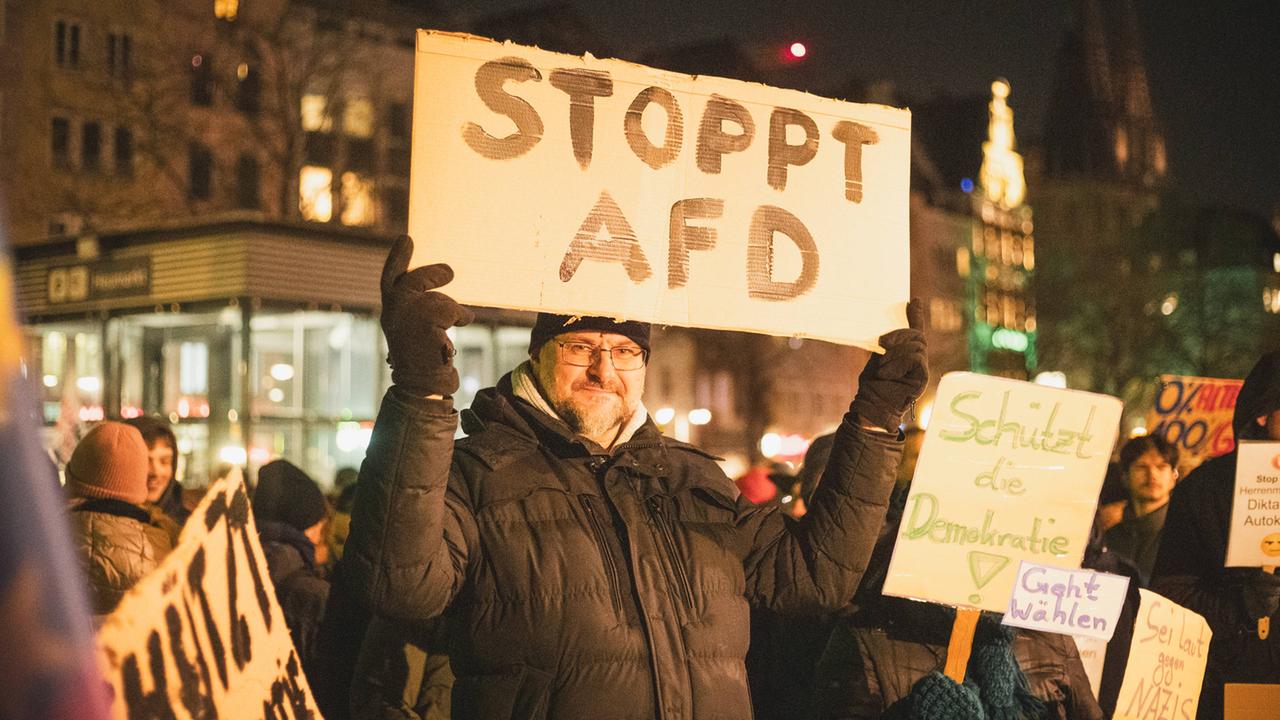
point(1069, 602)
point(1194, 414)
point(1093, 656)
point(203, 636)
point(1009, 471)
point(571, 184)
point(1166, 662)
point(1254, 535)
point(1248, 701)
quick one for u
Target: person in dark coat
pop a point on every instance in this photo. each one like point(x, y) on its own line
point(587, 565)
point(163, 489)
point(885, 658)
point(1190, 563)
point(1150, 467)
point(289, 510)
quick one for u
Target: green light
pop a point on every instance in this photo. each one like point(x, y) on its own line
point(1007, 339)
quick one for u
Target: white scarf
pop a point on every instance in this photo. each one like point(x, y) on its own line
point(525, 387)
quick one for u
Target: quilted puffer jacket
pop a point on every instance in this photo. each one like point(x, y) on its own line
point(582, 584)
point(118, 543)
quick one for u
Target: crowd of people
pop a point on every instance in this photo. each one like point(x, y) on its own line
point(565, 559)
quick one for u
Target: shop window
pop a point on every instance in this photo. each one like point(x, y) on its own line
point(247, 179)
point(91, 146)
point(119, 54)
point(357, 200)
point(66, 43)
point(124, 152)
point(68, 358)
point(201, 80)
point(248, 89)
point(60, 142)
point(200, 172)
point(315, 193)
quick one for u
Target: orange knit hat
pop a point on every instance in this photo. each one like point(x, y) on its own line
point(110, 462)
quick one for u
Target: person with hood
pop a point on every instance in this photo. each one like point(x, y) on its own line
point(290, 511)
point(1189, 567)
point(587, 565)
point(119, 540)
point(163, 489)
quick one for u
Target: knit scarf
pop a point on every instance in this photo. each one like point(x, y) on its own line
point(525, 386)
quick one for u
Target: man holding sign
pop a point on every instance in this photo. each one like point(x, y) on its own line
point(590, 566)
point(1237, 602)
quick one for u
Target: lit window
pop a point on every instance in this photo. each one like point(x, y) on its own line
point(226, 9)
point(315, 193)
point(357, 118)
point(357, 200)
point(315, 113)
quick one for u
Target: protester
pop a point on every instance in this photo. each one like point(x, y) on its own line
point(885, 660)
point(587, 564)
point(163, 489)
point(290, 512)
point(1189, 566)
point(119, 540)
point(339, 525)
point(1150, 467)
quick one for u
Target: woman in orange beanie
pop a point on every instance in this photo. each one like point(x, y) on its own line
point(119, 541)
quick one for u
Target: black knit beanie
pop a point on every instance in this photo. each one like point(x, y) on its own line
point(286, 494)
point(1259, 396)
point(548, 326)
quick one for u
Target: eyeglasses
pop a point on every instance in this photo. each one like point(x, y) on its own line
point(624, 357)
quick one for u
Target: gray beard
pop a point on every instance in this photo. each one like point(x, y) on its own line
point(592, 424)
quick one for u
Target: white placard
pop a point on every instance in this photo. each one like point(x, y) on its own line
point(1254, 537)
point(577, 185)
point(202, 636)
point(1009, 471)
point(1093, 656)
point(1166, 663)
point(1068, 602)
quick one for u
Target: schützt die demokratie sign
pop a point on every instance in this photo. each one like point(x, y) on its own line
point(579, 185)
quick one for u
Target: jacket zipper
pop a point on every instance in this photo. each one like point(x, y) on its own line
point(610, 566)
point(683, 587)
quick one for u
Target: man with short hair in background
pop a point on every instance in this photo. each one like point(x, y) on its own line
point(163, 489)
point(1150, 467)
point(588, 565)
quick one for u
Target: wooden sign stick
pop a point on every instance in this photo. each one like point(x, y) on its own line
point(961, 644)
point(1264, 623)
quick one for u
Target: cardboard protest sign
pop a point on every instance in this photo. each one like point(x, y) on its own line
point(1254, 537)
point(1009, 471)
point(1166, 662)
point(203, 636)
point(1093, 656)
point(572, 184)
point(1194, 415)
point(1069, 602)
point(1250, 701)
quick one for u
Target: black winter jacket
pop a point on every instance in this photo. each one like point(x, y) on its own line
point(581, 584)
point(1190, 571)
point(875, 657)
point(300, 590)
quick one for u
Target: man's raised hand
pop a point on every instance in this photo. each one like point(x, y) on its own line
point(414, 319)
point(891, 382)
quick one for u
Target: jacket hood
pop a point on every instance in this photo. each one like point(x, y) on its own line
point(1259, 396)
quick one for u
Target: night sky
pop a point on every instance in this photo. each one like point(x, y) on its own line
point(1214, 67)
